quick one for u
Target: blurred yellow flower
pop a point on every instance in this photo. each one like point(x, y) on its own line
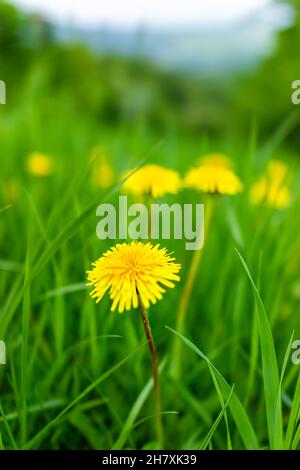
point(103, 174)
point(129, 269)
point(216, 159)
point(39, 164)
point(213, 178)
point(271, 188)
point(153, 180)
point(277, 170)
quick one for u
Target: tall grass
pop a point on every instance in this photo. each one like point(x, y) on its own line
point(73, 378)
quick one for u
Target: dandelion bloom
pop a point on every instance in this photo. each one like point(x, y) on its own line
point(103, 174)
point(129, 269)
point(213, 178)
point(216, 159)
point(39, 164)
point(271, 188)
point(154, 180)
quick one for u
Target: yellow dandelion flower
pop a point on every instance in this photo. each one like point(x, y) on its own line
point(39, 164)
point(216, 159)
point(271, 188)
point(131, 269)
point(154, 180)
point(213, 179)
point(103, 173)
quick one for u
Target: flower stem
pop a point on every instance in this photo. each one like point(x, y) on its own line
point(186, 295)
point(149, 201)
point(156, 384)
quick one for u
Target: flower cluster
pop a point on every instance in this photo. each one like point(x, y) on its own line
point(272, 188)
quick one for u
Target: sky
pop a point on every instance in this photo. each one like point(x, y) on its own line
point(128, 13)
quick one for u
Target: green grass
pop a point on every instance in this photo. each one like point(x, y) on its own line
point(79, 376)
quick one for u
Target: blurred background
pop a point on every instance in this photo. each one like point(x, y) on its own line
point(210, 68)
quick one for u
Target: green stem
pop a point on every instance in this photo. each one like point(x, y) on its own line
point(156, 384)
point(186, 295)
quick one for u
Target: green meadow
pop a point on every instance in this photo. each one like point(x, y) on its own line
point(78, 376)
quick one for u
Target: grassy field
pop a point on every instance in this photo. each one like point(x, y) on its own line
point(79, 376)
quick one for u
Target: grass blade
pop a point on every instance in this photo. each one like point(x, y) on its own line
point(293, 416)
point(129, 423)
point(269, 367)
point(238, 412)
point(43, 432)
point(212, 430)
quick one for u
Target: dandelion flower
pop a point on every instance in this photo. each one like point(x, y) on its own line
point(154, 180)
point(213, 178)
point(39, 164)
point(216, 159)
point(134, 275)
point(131, 269)
point(103, 172)
point(271, 188)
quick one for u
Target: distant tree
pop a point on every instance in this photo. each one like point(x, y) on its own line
point(11, 23)
point(21, 36)
point(39, 32)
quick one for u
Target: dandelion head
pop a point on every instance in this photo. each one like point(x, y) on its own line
point(153, 180)
point(213, 178)
point(271, 188)
point(216, 159)
point(103, 174)
point(131, 269)
point(277, 171)
point(39, 164)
